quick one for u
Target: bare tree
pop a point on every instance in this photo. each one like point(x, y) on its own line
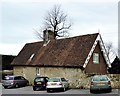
point(118, 52)
point(56, 20)
point(109, 47)
point(110, 51)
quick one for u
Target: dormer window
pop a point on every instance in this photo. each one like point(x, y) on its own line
point(31, 57)
point(95, 58)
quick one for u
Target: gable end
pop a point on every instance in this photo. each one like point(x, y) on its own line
point(98, 39)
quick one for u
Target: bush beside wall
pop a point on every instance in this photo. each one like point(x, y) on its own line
point(115, 80)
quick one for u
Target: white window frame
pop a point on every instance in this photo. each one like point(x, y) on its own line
point(37, 71)
point(96, 58)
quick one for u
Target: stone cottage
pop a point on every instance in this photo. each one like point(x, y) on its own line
point(71, 58)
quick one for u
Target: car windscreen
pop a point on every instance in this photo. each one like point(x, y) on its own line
point(8, 78)
point(100, 78)
point(39, 79)
point(54, 80)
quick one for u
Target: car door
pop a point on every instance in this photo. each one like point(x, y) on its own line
point(17, 80)
point(46, 80)
point(64, 81)
point(23, 81)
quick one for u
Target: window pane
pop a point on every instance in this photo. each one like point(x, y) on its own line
point(100, 78)
point(96, 58)
point(63, 79)
point(37, 71)
point(39, 79)
point(54, 80)
point(8, 78)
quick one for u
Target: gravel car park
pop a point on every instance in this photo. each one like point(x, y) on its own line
point(71, 92)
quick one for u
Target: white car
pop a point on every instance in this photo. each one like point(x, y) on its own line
point(57, 83)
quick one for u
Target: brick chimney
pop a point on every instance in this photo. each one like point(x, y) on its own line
point(48, 35)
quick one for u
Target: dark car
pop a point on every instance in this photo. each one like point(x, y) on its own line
point(14, 81)
point(100, 83)
point(40, 83)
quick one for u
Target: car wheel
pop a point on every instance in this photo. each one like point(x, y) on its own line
point(109, 90)
point(48, 90)
point(27, 84)
point(68, 88)
point(91, 91)
point(64, 89)
point(5, 87)
point(34, 88)
point(16, 85)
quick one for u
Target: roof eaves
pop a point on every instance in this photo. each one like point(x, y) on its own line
point(104, 52)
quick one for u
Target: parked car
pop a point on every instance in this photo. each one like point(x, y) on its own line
point(57, 83)
point(40, 83)
point(100, 82)
point(14, 81)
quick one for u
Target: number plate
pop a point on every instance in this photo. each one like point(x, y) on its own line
point(53, 83)
point(39, 83)
point(101, 84)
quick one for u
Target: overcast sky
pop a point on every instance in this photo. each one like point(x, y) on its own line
point(20, 17)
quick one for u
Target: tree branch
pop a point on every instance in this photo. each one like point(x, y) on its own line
point(56, 20)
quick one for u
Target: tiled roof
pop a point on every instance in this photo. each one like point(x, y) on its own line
point(69, 52)
point(26, 52)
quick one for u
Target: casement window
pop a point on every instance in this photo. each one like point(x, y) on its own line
point(95, 58)
point(37, 71)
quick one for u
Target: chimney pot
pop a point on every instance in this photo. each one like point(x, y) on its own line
point(48, 35)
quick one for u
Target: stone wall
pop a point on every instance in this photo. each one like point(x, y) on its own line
point(28, 72)
point(77, 78)
point(115, 80)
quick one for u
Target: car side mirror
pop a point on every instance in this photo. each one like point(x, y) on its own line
point(67, 80)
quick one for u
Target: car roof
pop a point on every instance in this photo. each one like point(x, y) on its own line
point(41, 77)
point(100, 76)
point(13, 76)
point(57, 77)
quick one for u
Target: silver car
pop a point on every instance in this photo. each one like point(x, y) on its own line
point(57, 83)
point(14, 81)
point(100, 82)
